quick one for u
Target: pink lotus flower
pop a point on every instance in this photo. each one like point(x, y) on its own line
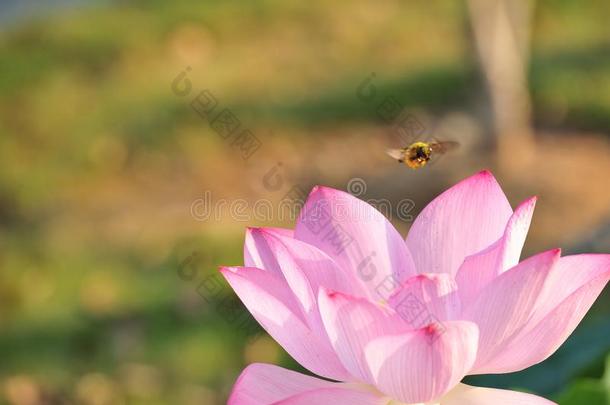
point(403, 322)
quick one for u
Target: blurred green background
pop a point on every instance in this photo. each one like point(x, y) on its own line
point(108, 285)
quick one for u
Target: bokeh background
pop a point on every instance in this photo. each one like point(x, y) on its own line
point(109, 292)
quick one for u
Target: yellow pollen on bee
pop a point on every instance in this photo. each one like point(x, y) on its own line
point(417, 155)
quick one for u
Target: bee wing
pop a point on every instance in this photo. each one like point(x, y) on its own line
point(397, 154)
point(444, 146)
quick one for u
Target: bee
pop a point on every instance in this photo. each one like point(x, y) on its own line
point(419, 153)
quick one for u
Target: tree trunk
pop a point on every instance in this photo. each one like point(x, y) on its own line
point(501, 31)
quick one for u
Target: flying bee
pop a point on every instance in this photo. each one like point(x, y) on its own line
point(419, 153)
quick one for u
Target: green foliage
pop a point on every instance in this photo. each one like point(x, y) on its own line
point(588, 391)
